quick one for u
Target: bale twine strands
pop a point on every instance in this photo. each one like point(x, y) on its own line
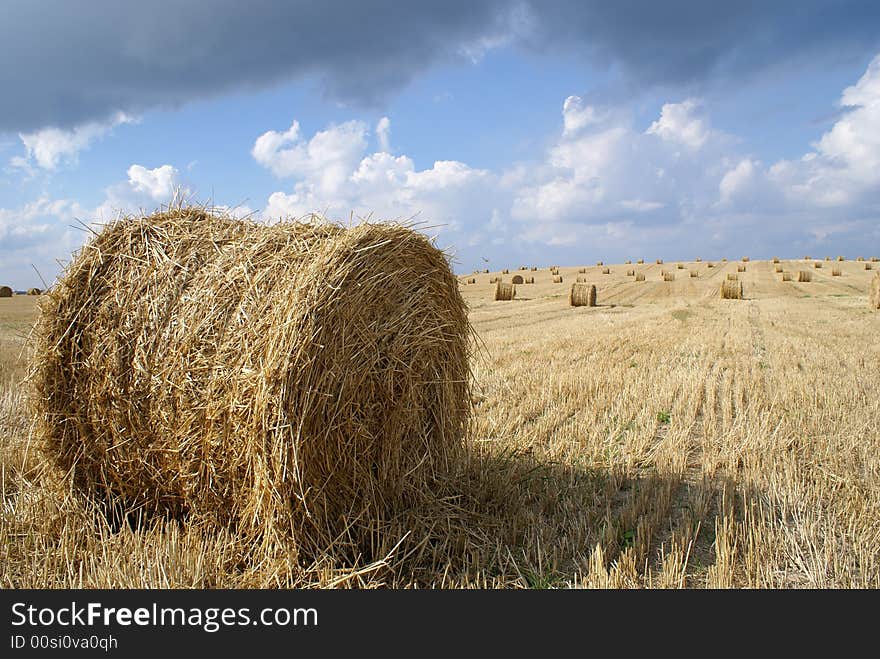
point(582, 295)
point(312, 381)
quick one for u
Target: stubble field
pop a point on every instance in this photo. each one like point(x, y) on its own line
point(664, 438)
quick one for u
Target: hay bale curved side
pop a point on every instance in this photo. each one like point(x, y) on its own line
point(731, 290)
point(582, 295)
point(34, 291)
point(290, 380)
point(504, 291)
point(874, 297)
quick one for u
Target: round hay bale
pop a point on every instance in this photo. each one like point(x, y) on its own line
point(840, 258)
point(731, 290)
point(517, 279)
point(530, 280)
point(523, 267)
point(860, 258)
point(534, 269)
point(292, 381)
point(472, 280)
point(640, 276)
point(640, 261)
point(698, 259)
point(807, 258)
point(740, 268)
point(817, 264)
point(505, 271)
point(606, 271)
point(694, 273)
point(775, 259)
point(835, 272)
point(494, 280)
point(582, 295)
point(679, 266)
point(582, 271)
point(778, 268)
point(724, 259)
point(874, 296)
point(628, 261)
point(745, 259)
point(732, 277)
point(659, 261)
point(868, 266)
point(34, 291)
point(557, 279)
point(599, 263)
point(581, 280)
point(630, 273)
point(805, 276)
point(786, 276)
point(668, 276)
point(504, 291)
point(710, 265)
point(5, 291)
point(874, 259)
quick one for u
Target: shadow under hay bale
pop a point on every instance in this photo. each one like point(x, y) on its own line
point(731, 290)
point(504, 291)
point(582, 295)
point(294, 382)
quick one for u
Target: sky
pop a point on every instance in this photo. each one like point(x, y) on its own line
point(516, 133)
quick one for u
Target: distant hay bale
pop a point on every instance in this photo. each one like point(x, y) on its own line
point(557, 279)
point(807, 258)
point(775, 259)
point(582, 295)
point(740, 268)
point(581, 280)
point(868, 266)
point(606, 271)
point(534, 269)
point(835, 272)
point(805, 276)
point(710, 265)
point(786, 276)
point(827, 258)
point(292, 381)
point(659, 261)
point(745, 259)
point(698, 260)
point(640, 276)
point(694, 273)
point(34, 291)
point(817, 265)
point(5, 291)
point(724, 259)
point(486, 271)
point(504, 291)
point(778, 268)
point(874, 259)
point(530, 280)
point(523, 267)
point(840, 258)
point(494, 280)
point(668, 276)
point(630, 273)
point(628, 262)
point(860, 258)
point(731, 290)
point(640, 261)
point(472, 280)
point(732, 277)
point(874, 296)
point(680, 266)
point(582, 271)
point(599, 263)
point(517, 279)
point(505, 271)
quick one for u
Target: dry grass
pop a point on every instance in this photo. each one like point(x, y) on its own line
point(669, 439)
point(582, 295)
point(731, 290)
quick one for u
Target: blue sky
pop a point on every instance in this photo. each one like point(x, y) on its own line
point(521, 133)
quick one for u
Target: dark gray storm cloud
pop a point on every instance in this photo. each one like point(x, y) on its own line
point(65, 62)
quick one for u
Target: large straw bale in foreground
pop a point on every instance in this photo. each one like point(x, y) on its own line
point(504, 291)
point(731, 290)
point(582, 295)
point(288, 380)
point(874, 297)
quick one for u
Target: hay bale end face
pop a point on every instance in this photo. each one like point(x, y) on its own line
point(311, 381)
point(582, 295)
point(731, 290)
point(504, 291)
point(517, 279)
point(874, 295)
point(5, 291)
